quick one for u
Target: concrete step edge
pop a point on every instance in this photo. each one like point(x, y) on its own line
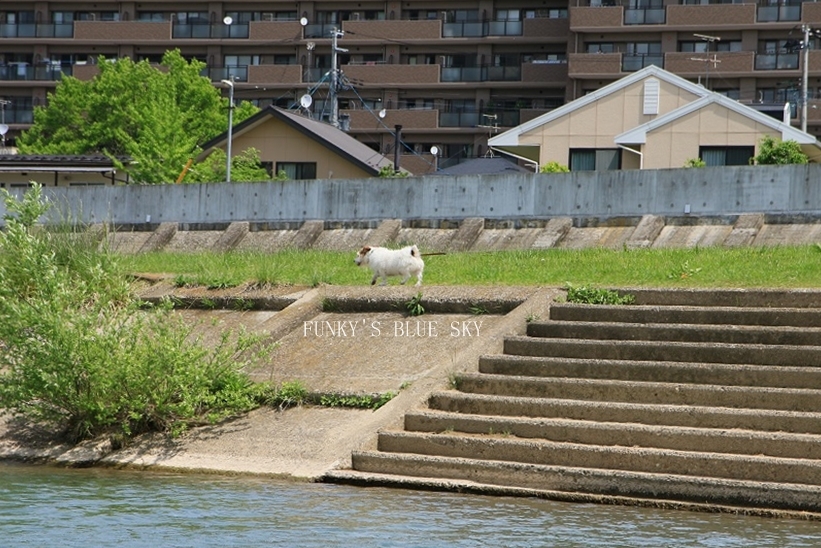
point(699, 439)
point(798, 399)
point(749, 354)
point(581, 482)
point(775, 376)
point(638, 459)
point(708, 315)
point(658, 414)
point(675, 332)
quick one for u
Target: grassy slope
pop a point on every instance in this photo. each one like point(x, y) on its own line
point(776, 267)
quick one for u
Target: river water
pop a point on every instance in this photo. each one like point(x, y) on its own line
point(48, 506)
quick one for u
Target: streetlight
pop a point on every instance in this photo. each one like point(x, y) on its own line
point(230, 84)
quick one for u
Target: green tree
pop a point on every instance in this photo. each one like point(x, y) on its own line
point(245, 167)
point(772, 152)
point(156, 115)
point(695, 162)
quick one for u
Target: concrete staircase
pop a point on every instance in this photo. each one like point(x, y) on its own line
point(686, 399)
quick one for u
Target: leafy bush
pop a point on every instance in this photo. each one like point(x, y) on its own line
point(695, 162)
point(80, 354)
point(774, 152)
point(414, 305)
point(594, 295)
point(554, 167)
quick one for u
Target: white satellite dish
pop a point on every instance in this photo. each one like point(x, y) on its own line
point(4, 129)
point(306, 101)
point(227, 20)
point(310, 46)
point(383, 113)
point(303, 21)
point(434, 150)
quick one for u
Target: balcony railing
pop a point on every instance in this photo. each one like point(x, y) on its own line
point(776, 61)
point(18, 116)
point(38, 30)
point(321, 30)
point(479, 29)
point(644, 16)
point(24, 71)
point(783, 11)
point(458, 119)
point(634, 62)
point(207, 30)
point(511, 73)
point(216, 74)
point(505, 119)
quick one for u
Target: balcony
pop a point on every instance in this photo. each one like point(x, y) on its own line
point(593, 65)
point(25, 71)
point(591, 19)
point(217, 74)
point(122, 32)
point(39, 30)
point(481, 29)
point(208, 30)
point(392, 30)
point(632, 62)
point(785, 10)
point(644, 16)
point(545, 72)
point(717, 14)
point(696, 64)
point(458, 119)
point(275, 75)
point(366, 120)
point(542, 27)
point(385, 73)
point(483, 73)
point(776, 61)
point(275, 30)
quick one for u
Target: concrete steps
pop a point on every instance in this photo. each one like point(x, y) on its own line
point(707, 405)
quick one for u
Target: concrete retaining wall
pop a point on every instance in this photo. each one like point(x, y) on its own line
point(720, 191)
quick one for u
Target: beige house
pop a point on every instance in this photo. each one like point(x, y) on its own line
point(651, 119)
point(301, 147)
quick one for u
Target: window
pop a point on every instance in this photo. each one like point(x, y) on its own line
point(155, 16)
point(726, 156)
point(298, 170)
point(601, 47)
point(592, 159)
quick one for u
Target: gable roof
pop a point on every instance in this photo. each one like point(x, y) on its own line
point(327, 135)
point(638, 135)
point(483, 166)
point(511, 136)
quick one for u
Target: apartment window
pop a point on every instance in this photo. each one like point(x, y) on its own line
point(109, 16)
point(594, 159)
point(732, 93)
point(419, 104)
point(426, 15)
point(298, 170)
point(728, 45)
point(639, 55)
point(726, 156)
point(278, 16)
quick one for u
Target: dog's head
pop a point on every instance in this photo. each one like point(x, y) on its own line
point(362, 257)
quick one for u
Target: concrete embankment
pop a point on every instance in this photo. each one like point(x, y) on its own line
point(701, 400)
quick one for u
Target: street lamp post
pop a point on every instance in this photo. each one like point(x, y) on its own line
point(230, 84)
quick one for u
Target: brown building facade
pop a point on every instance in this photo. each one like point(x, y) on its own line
point(450, 74)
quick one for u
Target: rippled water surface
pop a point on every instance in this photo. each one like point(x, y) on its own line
point(46, 506)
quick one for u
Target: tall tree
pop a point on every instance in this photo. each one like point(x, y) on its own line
point(156, 115)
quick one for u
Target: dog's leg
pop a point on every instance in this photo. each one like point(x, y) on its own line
point(405, 279)
point(419, 279)
point(373, 280)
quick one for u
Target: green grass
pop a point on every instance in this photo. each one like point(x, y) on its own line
point(777, 267)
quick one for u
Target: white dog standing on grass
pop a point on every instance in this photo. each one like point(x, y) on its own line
point(384, 262)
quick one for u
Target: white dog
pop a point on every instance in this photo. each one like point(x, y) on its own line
point(384, 262)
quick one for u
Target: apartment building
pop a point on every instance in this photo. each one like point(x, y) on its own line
point(448, 74)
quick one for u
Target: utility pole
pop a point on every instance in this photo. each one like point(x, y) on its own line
point(714, 60)
point(804, 75)
point(335, 34)
point(230, 84)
